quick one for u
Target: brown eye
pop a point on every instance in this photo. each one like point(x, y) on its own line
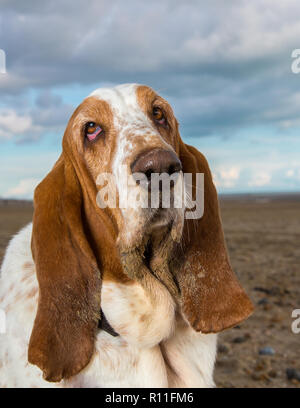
point(92, 130)
point(158, 115)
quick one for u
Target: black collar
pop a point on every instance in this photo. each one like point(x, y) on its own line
point(104, 325)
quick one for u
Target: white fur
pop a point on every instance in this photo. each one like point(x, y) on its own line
point(137, 358)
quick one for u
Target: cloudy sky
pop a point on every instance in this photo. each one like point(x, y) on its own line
point(225, 66)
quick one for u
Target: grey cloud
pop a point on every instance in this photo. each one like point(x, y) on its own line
point(28, 122)
point(50, 110)
point(222, 65)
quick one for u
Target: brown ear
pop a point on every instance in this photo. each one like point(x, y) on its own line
point(62, 339)
point(211, 298)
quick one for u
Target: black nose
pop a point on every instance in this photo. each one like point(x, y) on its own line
point(156, 161)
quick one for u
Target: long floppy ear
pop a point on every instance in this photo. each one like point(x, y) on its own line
point(62, 339)
point(211, 298)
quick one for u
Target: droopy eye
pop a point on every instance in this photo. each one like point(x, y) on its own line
point(92, 130)
point(158, 115)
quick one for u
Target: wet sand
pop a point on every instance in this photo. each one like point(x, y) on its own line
point(263, 238)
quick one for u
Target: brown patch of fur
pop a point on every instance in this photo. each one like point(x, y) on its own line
point(211, 297)
point(32, 293)
point(122, 330)
point(144, 317)
point(28, 265)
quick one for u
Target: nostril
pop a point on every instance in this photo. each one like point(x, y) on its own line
point(174, 168)
point(148, 174)
point(171, 169)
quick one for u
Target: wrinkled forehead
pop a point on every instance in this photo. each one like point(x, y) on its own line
point(128, 100)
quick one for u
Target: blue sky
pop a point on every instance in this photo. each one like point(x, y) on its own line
point(224, 66)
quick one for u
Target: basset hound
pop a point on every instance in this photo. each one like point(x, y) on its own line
point(117, 297)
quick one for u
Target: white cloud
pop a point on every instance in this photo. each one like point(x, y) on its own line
point(226, 177)
point(293, 174)
point(23, 190)
point(260, 179)
point(11, 123)
point(290, 173)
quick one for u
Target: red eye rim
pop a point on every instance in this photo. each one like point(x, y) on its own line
point(92, 131)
